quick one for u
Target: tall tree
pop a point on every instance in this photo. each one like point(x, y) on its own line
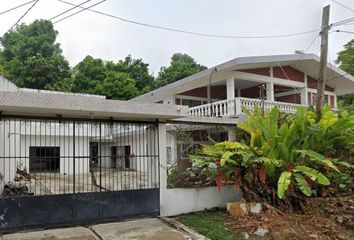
point(181, 66)
point(137, 70)
point(346, 62)
point(95, 76)
point(31, 58)
point(87, 74)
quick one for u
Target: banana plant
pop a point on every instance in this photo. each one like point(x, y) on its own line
point(294, 151)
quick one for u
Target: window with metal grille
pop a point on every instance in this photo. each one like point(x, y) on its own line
point(44, 159)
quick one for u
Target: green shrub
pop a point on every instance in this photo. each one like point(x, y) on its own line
point(296, 153)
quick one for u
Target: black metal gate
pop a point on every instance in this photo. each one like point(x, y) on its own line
point(60, 171)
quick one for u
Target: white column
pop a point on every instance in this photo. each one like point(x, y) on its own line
point(270, 91)
point(231, 133)
point(335, 101)
point(304, 98)
point(163, 155)
point(238, 92)
point(230, 88)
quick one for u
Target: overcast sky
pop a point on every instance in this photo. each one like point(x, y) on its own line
point(88, 33)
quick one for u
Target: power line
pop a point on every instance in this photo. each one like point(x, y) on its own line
point(345, 21)
point(190, 32)
point(29, 9)
point(344, 31)
point(66, 11)
point(83, 9)
point(341, 4)
point(306, 50)
point(14, 8)
point(62, 18)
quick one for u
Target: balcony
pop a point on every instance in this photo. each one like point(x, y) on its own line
point(234, 107)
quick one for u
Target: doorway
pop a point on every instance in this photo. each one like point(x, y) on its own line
point(114, 157)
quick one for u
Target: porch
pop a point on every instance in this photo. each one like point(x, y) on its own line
point(235, 107)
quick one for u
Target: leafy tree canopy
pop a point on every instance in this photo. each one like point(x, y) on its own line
point(346, 62)
point(95, 76)
point(30, 57)
point(137, 70)
point(181, 66)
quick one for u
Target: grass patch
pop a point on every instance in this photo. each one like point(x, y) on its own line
point(210, 224)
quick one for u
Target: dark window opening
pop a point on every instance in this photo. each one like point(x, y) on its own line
point(44, 159)
point(93, 153)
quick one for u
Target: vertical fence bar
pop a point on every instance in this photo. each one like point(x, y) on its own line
point(74, 157)
point(100, 144)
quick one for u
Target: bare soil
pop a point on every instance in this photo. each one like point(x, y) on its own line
point(323, 218)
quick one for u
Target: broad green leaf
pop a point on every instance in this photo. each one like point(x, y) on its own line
point(319, 158)
point(345, 164)
point(225, 157)
point(303, 184)
point(313, 174)
point(283, 184)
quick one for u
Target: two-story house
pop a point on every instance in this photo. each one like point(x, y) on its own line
point(219, 94)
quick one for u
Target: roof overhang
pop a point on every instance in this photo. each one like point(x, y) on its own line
point(44, 104)
point(307, 63)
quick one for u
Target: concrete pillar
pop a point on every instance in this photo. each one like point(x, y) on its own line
point(231, 134)
point(230, 88)
point(163, 155)
point(304, 98)
point(270, 91)
point(239, 92)
point(335, 101)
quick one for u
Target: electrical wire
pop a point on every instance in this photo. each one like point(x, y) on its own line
point(60, 14)
point(344, 31)
point(341, 4)
point(29, 9)
point(190, 32)
point(306, 50)
point(14, 8)
point(83, 9)
point(345, 21)
point(62, 18)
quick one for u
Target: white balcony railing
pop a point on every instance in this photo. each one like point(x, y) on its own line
point(234, 107)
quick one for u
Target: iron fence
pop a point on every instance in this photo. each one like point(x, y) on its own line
point(50, 156)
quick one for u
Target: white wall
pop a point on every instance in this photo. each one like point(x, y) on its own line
point(143, 145)
point(185, 200)
point(16, 138)
point(6, 85)
point(172, 143)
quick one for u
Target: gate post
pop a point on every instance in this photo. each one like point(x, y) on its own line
point(162, 155)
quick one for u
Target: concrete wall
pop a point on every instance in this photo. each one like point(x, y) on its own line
point(16, 138)
point(7, 86)
point(14, 152)
point(185, 200)
point(144, 152)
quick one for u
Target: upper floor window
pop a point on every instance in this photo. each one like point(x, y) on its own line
point(314, 99)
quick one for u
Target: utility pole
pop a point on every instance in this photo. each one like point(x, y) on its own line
point(323, 60)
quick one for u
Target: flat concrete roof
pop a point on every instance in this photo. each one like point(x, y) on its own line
point(45, 104)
